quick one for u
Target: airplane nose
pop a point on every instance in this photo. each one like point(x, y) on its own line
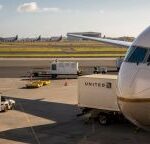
point(136, 110)
point(133, 95)
point(126, 77)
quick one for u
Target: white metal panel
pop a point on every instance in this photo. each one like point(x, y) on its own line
point(65, 68)
point(100, 76)
point(143, 39)
point(98, 92)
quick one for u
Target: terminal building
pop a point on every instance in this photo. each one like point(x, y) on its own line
point(90, 34)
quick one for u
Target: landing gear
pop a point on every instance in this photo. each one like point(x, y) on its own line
point(54, 76)
point(103, 119)
point(5, 108)
point(12, 107)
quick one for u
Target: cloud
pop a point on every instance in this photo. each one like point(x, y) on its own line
point(1, 7)
point(33, 7)
point(50, 9)
point(28, 7)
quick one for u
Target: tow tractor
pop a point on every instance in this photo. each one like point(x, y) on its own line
point(38, 83)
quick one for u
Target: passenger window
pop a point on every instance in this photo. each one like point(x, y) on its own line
point(137, 56)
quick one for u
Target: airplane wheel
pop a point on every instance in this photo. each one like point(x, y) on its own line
point(5, 108)
point(54, 76)
point(36, 74)
point(103, 119)
point(12, 107)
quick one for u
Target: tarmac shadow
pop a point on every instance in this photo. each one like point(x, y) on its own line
point(68, 129)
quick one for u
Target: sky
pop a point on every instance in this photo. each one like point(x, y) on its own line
point(112, 18)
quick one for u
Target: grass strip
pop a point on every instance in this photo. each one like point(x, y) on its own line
point(61, 55)
point(30, 49)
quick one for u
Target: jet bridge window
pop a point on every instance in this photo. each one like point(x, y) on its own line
point(136, 55)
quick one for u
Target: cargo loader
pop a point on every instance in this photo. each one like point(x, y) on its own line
point(97, 97)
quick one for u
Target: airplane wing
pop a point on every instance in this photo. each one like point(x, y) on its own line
point(109, 41)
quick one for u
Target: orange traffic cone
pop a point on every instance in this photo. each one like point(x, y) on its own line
point(65, 84)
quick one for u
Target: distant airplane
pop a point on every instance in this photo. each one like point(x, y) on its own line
point(133, 91)
point(39, 38)
point(52, 39)
point(31, 39)
point(9, 39)
point(44, 39)
point(56, 39)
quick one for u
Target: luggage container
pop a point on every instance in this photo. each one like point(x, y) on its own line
point(97, 96)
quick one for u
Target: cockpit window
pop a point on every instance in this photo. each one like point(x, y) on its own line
point(148, 59)
point(136, 55)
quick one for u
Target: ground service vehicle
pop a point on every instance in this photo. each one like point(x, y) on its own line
point(6, 104)
point(63, 68)
point(3, 106)
point(37, 84)
point(34, 84)
point(97, 96)
point(119, 61)
point(99, 69)
point(59, 68)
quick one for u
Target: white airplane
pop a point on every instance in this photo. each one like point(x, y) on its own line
point(133, 79)
point(9, 39)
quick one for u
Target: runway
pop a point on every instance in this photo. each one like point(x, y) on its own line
point(44, 62)
point(17, 67)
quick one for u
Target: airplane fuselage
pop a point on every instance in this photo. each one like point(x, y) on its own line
point(134, 78)
point(134, 82)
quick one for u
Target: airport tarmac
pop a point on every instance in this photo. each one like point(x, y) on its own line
point(15, 67)
point(44, 62)
point(48, 116)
